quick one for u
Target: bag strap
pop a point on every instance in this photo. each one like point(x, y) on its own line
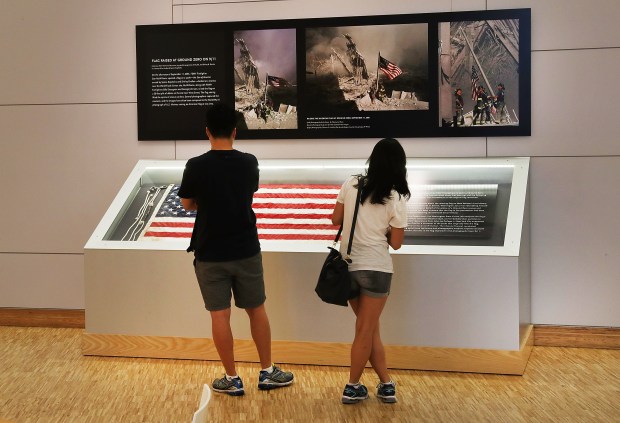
point(337, 236)
point(357, 206)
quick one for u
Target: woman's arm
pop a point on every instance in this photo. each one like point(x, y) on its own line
point(338, 214)
point(395, 237)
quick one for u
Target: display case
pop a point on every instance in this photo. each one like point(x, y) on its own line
point(461, 279)
point(459, 205)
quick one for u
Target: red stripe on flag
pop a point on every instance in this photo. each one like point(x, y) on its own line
point(295, 226)
point(291, 206)
point(293, 195)
point(300, 237)
point(299, 186)
point(172, 225)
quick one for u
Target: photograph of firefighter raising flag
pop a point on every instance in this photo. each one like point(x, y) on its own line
point(265, 100)
point(481, 59)
point(366, 68)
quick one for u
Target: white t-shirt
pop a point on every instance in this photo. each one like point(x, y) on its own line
point(370, 249)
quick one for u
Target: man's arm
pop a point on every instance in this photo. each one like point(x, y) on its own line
point(189, 204)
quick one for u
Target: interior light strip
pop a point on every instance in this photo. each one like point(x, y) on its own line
point(308, 167)
point(461, 166)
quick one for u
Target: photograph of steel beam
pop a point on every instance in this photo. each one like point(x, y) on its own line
point(479, 73)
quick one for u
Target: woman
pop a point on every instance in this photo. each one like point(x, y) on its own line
point(381, 222)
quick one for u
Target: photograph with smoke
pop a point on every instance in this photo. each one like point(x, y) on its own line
point(366, 68)
point(452, 74)
point(266, 78)
point(479, 64)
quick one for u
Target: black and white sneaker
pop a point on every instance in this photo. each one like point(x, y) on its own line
point(276, 379)
point(387, 391)
point(354, 393)
point(232, 387)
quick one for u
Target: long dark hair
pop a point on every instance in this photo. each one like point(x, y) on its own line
point(387, 171)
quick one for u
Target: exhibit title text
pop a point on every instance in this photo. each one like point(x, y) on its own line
point(184, 59)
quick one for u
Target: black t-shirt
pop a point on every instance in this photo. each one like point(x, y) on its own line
point(222, 182)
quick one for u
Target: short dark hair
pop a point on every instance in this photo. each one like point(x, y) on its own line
point(221, 120)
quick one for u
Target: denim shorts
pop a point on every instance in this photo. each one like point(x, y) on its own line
point(371, 283)
point(220, 281)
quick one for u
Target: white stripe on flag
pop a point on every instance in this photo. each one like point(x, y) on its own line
point(171, 229)
point(295, 221)
point(326, 212)
point(298, 231)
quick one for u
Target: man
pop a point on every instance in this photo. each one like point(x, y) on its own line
point(458, 107)
point(500, 102)
point(487, 106)
point(220, 185)
point(480, 104)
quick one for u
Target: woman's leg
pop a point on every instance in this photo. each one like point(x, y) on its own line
point(377, 358)
point(367, 342)
point(377, 354)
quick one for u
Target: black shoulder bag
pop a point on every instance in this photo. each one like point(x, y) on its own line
point(334, 284)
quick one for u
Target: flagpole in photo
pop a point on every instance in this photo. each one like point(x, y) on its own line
point(378, 64)
point(471, 49)
point(266, 84)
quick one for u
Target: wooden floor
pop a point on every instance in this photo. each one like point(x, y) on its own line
point(44, 378)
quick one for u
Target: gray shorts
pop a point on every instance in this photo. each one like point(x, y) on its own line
point(219, 281)
point(371, 283)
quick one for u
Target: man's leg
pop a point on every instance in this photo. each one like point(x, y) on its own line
point(223, 339)
point(271, 376)
point(261, 333)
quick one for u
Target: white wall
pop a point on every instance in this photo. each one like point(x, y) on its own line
point(68, 138)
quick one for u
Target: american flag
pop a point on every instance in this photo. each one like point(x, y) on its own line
point(276, 81)
point(283, 212)
point(389, 68)
point(474, 82)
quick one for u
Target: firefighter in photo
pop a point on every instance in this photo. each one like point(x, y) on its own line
point(479, 107)
point(487, 101)
point(458, 107)
point(482, 105)
point(261, 110)
point(500, 103)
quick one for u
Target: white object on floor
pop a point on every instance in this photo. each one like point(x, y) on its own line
point(200, 416)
